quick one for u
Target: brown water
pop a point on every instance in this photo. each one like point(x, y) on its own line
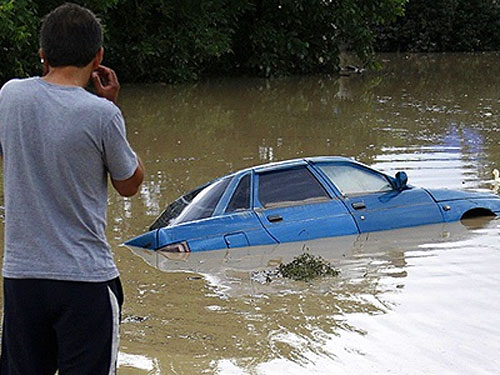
point(413, 301)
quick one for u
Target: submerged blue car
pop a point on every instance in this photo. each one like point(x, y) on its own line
point(303, 199)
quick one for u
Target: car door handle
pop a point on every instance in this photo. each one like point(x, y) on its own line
point(358, 205)
point(274, 218)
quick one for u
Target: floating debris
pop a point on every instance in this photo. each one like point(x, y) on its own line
point(134, 319)
point(495, 186)
point(304, 267)
point(350, 70)
point(265, 276)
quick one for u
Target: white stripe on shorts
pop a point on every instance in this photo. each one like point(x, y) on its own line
point(115, 309)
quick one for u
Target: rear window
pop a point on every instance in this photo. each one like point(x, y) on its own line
point(204, 203)
point(290, 186)
point(198, 204)
point(175, 208)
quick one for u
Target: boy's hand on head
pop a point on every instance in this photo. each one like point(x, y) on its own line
point(106, 83)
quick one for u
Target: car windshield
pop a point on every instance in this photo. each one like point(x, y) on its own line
point(351, 180)
point(198, 204)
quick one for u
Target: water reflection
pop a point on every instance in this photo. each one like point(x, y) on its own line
point(138, 362)
point(193, 133)
point(329, 323)
point(435, 116)
point(416, 301)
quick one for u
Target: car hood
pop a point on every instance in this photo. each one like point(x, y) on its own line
point(440, 195)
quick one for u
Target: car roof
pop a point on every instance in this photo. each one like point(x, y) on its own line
point(284, 164)
point(297, 162)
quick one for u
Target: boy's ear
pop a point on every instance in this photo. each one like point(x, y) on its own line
point(98, 58)
point(43, 60)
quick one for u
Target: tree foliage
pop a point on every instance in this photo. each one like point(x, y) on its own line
point(18, 41)
point(444, 25)
point(183, 40)
point(176, 40)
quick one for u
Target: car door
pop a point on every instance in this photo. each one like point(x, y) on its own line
point(242, 227)
point(219, 216)
point(373, 201)
point(293, 205)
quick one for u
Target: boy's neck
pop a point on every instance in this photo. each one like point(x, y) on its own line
point(69, 75)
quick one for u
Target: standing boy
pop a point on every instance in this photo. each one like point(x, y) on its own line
point(58, 142)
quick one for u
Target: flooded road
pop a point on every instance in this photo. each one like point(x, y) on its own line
point(413, 301)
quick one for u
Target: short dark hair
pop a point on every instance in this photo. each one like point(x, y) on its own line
point(70, 35)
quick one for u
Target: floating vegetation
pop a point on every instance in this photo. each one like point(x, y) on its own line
point(304, 267)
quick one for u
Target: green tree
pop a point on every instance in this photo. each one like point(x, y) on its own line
point(176, 40)
point(18, 38)
point(282, 37)
point(184, 40)
point(444, 25)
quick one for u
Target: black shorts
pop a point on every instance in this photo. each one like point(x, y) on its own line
point(54, 325)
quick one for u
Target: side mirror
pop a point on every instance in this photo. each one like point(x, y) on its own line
point(400, 181)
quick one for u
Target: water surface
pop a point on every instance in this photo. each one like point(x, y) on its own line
point(423, 300)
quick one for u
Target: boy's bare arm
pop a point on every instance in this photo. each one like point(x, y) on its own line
point(107, 86)
point(130, 186)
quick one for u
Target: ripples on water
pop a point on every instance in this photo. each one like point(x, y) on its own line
point(413, 301)
point(422, 300)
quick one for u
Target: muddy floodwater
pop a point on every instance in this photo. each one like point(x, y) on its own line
point(423, 300)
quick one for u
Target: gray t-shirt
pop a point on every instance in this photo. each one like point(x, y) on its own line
point(58, 144)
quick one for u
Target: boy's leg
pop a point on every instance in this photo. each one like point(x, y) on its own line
point(88, 328)
point(28, 340)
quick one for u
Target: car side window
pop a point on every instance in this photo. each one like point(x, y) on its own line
point(289, 186)
point(241, 196)
point(352, 180)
